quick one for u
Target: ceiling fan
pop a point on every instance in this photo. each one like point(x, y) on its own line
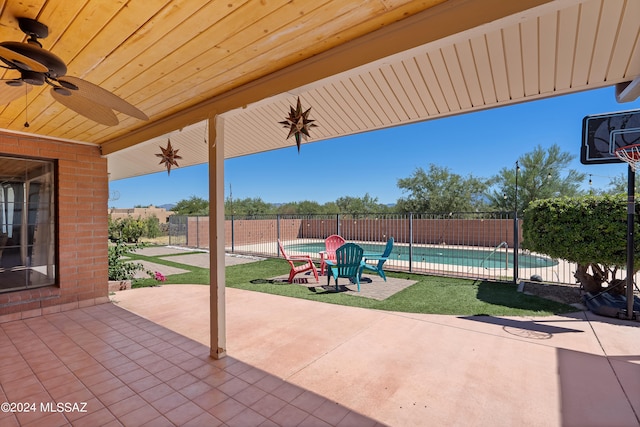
point(37, 66)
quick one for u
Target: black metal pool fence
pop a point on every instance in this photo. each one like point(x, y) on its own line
point(477, 245)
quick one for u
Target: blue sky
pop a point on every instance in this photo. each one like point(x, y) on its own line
point(479, 143)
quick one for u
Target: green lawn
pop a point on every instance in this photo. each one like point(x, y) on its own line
point(431, 294)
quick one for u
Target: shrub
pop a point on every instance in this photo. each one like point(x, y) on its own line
point(126, 229)
point(119, 268)
point(589, 230)
point(151, 227)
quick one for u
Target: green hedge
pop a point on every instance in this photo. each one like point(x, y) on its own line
point(584, 230)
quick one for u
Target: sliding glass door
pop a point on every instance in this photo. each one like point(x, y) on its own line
point(27, 224)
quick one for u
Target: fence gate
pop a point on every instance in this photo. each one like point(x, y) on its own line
point(178, 230)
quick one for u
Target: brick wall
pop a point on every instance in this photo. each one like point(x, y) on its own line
point(82, 190)
point(198, 231)
point(467, 232)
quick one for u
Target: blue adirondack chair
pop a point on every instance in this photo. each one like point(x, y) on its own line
point(348, 264)
point(380, 260)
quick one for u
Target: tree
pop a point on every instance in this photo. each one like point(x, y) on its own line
point(192, 206)
point(620, 185)
point(440, 191)
point(359, 205)
point(330, 208)
point(290, 208)
point(306, 207)
point(588, 230)
point(249, 207)
point(539, 177)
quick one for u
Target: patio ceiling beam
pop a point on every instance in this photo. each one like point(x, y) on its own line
point(448, 18)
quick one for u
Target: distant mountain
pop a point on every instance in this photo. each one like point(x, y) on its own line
point(167, 206)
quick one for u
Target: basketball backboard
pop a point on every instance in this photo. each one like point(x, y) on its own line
point(603, 133)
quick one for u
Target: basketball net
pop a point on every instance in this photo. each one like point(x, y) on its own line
point(629, 154)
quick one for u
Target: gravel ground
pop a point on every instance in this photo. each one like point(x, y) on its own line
point(567, 294)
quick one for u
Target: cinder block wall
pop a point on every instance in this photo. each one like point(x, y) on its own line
point(82, 196)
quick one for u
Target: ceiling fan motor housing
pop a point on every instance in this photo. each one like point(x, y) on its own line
point(32, 49)
point(33, 28)
point(55, 65)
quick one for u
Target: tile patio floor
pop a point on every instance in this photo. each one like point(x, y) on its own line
point(116, 368)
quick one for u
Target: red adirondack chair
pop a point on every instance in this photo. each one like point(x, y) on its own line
point(307, 263)
point(331, 244)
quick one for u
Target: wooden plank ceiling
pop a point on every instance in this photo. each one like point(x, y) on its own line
point(166, 55)
point(360, 65)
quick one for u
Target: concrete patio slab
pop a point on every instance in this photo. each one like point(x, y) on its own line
point(202, 259)
point(414, 369)
point(162, 250)
point(152, 266)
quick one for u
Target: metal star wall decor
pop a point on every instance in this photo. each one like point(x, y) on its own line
point(298, 123)
point(169, 156)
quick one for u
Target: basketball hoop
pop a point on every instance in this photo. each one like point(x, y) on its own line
point(629, 154)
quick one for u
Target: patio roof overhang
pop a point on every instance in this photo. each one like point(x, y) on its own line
point(482, 62)
point(360, 66)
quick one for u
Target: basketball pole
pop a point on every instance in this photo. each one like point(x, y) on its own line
point(631, 210)
point(516, 232)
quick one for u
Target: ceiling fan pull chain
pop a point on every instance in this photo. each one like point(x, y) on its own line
point(26, 105)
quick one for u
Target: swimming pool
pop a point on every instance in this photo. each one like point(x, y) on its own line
point(487, 258)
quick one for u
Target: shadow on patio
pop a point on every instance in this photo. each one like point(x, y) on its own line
point(103, 365)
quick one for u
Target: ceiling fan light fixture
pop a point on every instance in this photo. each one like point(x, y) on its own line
point(32, 78)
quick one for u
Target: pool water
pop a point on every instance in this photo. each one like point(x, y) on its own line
point(487, 258)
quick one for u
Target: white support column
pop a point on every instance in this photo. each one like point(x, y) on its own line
point(216, 238)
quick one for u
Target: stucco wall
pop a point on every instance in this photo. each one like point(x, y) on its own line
point(141, 213)
point(82, 195)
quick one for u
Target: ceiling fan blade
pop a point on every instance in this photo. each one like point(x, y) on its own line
point(104, 97)
point(11, 93)
point(86, 107)
point(21, 62)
